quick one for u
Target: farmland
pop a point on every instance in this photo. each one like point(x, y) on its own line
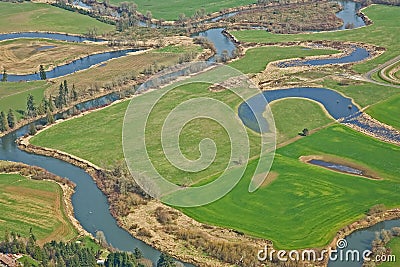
point(170, 9)
point(33, 204)
point(42, 17)
point(298, 206)
point(303, 187)
point(381, 33)
point(257, 59)
point(24, 56)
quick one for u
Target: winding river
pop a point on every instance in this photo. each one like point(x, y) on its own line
point(76, 65)
point(90, 204)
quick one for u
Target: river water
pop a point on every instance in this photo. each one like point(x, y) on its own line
point(76, 65)
point(90, 204)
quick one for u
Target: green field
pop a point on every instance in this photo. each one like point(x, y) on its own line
point(14, 95)
point(43, 17)
point(100, 141)
point(170, 9)
point(324, 201)
point(305, 205)
point(39, 205)
point(293, 115)
point(382, 33)
point(363, 93)
point(387, 111)
point(256, 59)
point(394, 245)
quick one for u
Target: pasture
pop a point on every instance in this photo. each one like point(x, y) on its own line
point(322, 199)
point(39, 205)
point(24, 56)
point(256, 59)
point(44, 17)
point(387, 111)
point(171, 9)
point(381, 33)
point(14, 95)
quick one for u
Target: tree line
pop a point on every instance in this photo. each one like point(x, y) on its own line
point(46, 107)
point(71, 254)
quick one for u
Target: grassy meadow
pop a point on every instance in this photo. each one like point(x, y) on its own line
point(394, 246)
point(387, 111)
point(256, 59)
point(293, 115)
point(26, 203)
point(171, 9)
point(383, 32)
point(124, 68)
point(14, 95)
point(323, 200)
point(363, 93)
point(44, 17)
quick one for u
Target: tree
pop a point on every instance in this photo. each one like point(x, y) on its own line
point(11, 118)
point(42, 73)
point(101, 238)
point(30, 106)
point(305, 132)
point(137, 253)
point(5, 75)
point(74, 93)
point(32, 129)
point(149, 16)
point(225, 56)
point(49, 117)
point(166, 261)
point(61, 100)
point(3, 122)
point(50, 104)
point(66, 93)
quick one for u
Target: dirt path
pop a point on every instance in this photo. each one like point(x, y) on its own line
point(381, 68)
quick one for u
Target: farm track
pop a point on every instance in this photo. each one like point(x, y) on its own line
point(382, 72)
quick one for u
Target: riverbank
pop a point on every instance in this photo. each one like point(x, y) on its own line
point(177, 233)
point(143, 223)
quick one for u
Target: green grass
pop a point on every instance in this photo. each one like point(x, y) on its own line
point(256, 59)
point(96, 137)
point(363, 93)
point(100, 141)
point(322, 200)
point(382, 33)
point(14, 95)
point(29, 260)
point(293, 115)
point(28, 16)
point(178, 49)
point(26, 203)
point(306, 205)
point(387, 111)
point(170, 9)
point(394, 245)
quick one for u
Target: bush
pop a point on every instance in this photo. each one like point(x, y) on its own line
point(379, 208)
